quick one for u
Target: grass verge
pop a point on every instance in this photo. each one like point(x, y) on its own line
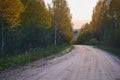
point(32, 55)
point(113, 51)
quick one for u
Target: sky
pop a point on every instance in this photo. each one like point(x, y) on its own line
point(81, 11)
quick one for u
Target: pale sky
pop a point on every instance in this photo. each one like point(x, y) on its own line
point(81, 11)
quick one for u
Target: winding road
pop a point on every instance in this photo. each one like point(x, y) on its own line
point(82, 63)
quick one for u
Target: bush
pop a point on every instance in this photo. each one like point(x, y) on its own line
point(32, 55)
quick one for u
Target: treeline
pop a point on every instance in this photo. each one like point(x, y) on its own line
point(28, 24)
point(104, 29)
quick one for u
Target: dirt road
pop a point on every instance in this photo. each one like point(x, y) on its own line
point(83, 63)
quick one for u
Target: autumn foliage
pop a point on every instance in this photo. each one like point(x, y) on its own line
point(104, 29)
point(27, 24)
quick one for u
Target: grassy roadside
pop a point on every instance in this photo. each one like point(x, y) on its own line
point(113, 51)
point(32, 55)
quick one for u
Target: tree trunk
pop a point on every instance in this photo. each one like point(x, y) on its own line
point(55, 42)
point(2, 41)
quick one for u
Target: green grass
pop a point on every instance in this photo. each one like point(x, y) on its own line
point(113, 51)
point(32, 55)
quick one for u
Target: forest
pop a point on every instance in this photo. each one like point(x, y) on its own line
point(104, 28)
point(32, 29)
point(29, 24)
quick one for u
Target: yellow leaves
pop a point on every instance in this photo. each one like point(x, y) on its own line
point(36, 13)
point(63, 19)
point(10, 10)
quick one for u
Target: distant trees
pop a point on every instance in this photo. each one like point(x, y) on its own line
point(26, 24)
point(84, 34)
point(105, 27)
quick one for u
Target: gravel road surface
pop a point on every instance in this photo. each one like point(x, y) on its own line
point(82, 63)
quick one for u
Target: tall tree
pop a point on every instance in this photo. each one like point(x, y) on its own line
point(36, 13)
point(9, 14)
point(36, 23)
point(62, 21)
point(114, 13)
